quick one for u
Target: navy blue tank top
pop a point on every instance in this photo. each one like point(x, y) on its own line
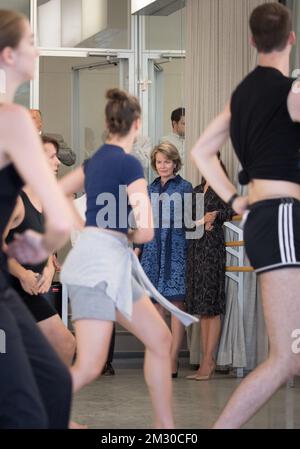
point(265, 138)
point(107, 175)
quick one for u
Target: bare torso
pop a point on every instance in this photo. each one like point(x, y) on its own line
point(260, 189)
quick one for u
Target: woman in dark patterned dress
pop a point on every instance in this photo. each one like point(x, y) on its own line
point(206, 276)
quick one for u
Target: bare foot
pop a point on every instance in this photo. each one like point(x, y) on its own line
point(75, 425)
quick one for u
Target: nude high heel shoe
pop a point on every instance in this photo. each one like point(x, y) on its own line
point(208, 376)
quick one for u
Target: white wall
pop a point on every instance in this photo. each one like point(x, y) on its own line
point(49, 24)
point(66, 23)
point(166, 32)
point(137, 5)
point(71, 23)
point(94, 17)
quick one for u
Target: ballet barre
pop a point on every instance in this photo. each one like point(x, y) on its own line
point(236, 249)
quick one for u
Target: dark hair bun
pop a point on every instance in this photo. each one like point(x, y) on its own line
point(116, 95)
point(121, 111)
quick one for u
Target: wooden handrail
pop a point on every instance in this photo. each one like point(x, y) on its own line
point(239, 269)
point(235, 244)
point(237, 218)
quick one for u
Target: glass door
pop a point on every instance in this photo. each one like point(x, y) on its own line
point(72, 99)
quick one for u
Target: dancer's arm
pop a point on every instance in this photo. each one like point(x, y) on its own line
point(205, 152)
point(73, 182)
point(23, 147)
point(142, 210)
point(294, 102)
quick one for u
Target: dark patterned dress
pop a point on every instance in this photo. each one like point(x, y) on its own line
point(206, 261)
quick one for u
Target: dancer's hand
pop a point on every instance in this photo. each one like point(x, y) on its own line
point(56, 264)
point(28, 247)
point(46, 279)
point(210, 217)
point(29, 282)
point(240, 204)
point(209, 227)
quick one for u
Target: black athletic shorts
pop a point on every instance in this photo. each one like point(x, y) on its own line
point(39, 307)
point(272, 234)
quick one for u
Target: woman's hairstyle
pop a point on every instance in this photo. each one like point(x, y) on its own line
point(171, 153)
point(121, 111)
point(48, 139)
point(11, 28)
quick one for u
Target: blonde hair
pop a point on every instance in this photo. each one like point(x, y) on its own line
point(171, 153)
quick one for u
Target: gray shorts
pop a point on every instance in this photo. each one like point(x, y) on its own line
point(94, 303)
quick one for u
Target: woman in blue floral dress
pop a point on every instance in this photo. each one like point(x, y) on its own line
point(164, 258)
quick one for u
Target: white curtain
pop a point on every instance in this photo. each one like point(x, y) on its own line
point(294, 6)
point(219, 56)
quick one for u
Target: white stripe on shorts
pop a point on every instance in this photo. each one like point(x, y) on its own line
point(280, 233)
point(286, 233)
point(291, 227)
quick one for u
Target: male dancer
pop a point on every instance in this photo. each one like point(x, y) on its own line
point(263, 122)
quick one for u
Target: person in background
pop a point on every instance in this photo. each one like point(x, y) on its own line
point(206, 276)
point(32, 282)
point(66, 155)
point(177, 137)
point(164, 257)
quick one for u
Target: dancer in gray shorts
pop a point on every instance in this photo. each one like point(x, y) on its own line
point(104, 278)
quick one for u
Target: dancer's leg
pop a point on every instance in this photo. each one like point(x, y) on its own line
point(50, 374)
point(281, 304)
point(160, 310)
point(178, 330)
point(21, 405)
point(60, 338)
point(149, 327)
point(93, 339)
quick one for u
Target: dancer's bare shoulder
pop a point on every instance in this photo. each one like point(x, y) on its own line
point(12, 112)
point(15, 127)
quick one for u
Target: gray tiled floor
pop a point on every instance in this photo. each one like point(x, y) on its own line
point(121, 402)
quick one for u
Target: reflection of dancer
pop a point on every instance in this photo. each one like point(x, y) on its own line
point(104, 278)
point(35, 387)
point(262, 120)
